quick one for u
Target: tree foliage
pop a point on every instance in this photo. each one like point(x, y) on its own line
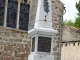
point(68, 22)
point(77, 21)
point(78, 6)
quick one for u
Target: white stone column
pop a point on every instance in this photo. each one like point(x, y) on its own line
point(36, 44)
point(5, 14)
point(52, 45)
point(18, 14)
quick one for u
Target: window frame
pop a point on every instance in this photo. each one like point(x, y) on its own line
point(17, 15)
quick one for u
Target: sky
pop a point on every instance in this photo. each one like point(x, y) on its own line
point(71, 11)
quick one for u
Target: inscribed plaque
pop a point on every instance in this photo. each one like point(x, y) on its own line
point(44, 44)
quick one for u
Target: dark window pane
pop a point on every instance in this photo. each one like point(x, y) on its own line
point(25, 0)
point(44, 44)
point(2, 6)
point(33, 44)
point(12, 14)
point(12, 0)
point(24, 17)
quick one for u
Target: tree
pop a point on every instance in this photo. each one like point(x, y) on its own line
point(77, 21)
point(78, 6)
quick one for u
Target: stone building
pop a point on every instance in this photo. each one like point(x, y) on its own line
point(70, 43)
point(16, 18)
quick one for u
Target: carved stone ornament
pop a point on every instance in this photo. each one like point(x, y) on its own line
point(46, 6)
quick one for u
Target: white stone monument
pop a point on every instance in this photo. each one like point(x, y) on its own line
point(42, 33)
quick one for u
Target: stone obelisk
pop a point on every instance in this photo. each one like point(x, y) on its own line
point(42, 33)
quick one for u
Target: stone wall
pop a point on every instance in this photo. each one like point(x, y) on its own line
point(70, 51)
point(57, 10)
point(15, 44)
point(33, 9)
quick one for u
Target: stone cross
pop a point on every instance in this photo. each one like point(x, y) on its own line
point(42, 33)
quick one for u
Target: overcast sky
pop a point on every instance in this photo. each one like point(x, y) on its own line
point(70, 9)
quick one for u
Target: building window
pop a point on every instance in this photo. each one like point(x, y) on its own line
point(24, 16)
point(2, 6)
point(13, 13)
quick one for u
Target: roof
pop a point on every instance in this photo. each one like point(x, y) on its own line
point(70, 33)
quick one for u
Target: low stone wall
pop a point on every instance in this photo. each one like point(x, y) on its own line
point(14, 44)
point(70, 51)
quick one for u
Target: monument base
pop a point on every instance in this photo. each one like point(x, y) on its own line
point(40, 57)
